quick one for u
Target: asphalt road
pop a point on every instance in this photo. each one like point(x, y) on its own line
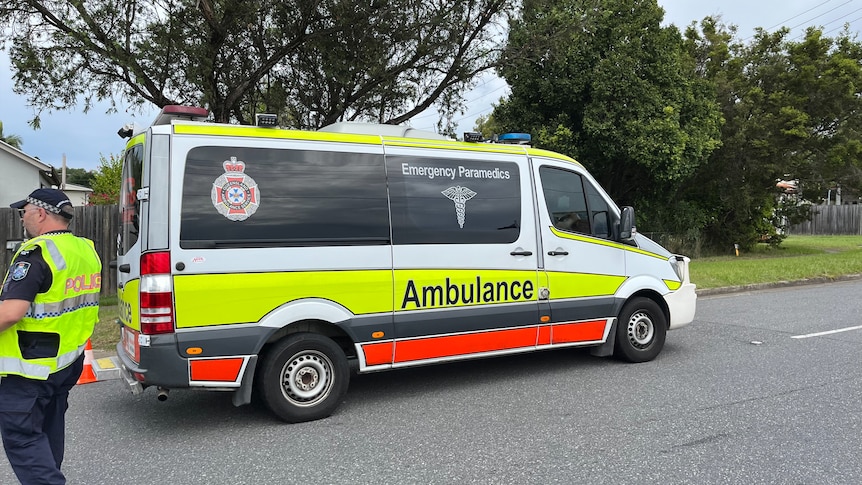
point(743, 395)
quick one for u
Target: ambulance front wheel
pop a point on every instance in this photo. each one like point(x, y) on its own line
point(303, 378)
point(641, 331)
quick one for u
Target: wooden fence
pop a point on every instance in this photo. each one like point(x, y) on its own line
point(831, 219)
point(99, 223)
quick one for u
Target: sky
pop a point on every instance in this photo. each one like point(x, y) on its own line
point(83, 137)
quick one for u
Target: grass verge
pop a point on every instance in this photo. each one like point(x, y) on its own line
point(107, 332)
point(799, 257)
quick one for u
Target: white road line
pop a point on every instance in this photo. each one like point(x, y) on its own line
point(828, 332)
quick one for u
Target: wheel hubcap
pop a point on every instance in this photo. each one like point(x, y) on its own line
point(641, 330)
point(307, 378)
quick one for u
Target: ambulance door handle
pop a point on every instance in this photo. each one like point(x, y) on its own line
point(521, 253)
point(125, 268)
point(558, 253)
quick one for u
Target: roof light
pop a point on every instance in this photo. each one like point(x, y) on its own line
point(473, 137)
point(266, 120)
point(127, 130)
point(515, 138)
point(177, 112)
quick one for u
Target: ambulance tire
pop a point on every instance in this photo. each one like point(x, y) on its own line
point(641, 331)
point(303, 377)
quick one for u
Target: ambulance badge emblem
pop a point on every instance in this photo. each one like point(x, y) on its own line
point(234, 194)
point(459, 195)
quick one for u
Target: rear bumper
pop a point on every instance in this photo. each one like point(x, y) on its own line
point(682, 304)
point(126, 377)
point(160, 364)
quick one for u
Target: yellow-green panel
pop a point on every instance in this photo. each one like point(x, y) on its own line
point(127, 304)
point(255, 132)
point(603, 242)
point(137, 140)
point(579, 285)
point(672, 285)
point(224, 299)
point(431, 288)
point(537, 152)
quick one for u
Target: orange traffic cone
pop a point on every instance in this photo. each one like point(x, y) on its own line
point(88, 375)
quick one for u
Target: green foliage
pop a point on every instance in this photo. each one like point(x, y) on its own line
point(488, 126)
point(313, 63)
point(14, 141)
point(607, 84)
point(791, 111)
point(620, 93)
point(79, 176)
point(107, 180)
point(693, 131)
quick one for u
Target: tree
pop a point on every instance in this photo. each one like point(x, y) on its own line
point(79, 176)
point(14, 141)
point(314, 62)
point(488, 126)
point(791, 109)
point(107, 180)
point(606, 83)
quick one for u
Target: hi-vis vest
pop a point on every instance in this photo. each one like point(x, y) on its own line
point(70, 308)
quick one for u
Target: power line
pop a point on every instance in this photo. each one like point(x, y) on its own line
point(822, 14)
point(779, 24)
point(782, 23)
point(842, 25)
point(471, 101)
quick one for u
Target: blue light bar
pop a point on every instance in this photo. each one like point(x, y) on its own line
point(515, 138)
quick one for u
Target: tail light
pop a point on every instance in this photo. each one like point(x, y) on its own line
point(157, 298)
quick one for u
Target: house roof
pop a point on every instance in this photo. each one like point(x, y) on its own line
point(77, 188)
point(46, 171)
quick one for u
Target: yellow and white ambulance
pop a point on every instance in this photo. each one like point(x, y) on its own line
point(282, 260)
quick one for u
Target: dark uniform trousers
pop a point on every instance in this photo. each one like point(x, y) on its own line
point(32, 418)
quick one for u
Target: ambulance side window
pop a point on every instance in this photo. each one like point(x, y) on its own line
point(453, 201)
point(263, 197)
point(600, 214)
point(565, 199)
point(574, 204)
point(130, 207)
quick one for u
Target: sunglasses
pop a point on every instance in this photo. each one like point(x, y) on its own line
point(21, 212)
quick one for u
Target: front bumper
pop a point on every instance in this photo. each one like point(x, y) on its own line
point(682, 304)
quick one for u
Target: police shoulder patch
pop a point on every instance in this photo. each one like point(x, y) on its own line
point(19, 270)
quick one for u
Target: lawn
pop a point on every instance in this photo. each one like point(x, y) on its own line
point(107, 332)
point(798, 257)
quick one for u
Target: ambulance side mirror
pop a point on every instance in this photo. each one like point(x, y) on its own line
point(627, 222)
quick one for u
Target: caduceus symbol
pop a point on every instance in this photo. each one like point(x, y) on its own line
point(459, 195)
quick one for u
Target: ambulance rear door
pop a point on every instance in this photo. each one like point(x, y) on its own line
point(129, 244)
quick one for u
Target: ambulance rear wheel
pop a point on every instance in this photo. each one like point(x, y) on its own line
point(303, 378)
point(641, 331)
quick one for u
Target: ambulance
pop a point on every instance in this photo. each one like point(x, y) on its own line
point(277, 263)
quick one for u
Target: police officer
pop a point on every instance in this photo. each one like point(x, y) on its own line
point(49, 304)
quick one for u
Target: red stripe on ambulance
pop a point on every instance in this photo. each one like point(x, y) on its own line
point(218, 370)
point(447, 346)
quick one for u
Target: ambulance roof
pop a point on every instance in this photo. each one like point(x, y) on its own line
point(382, 130)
